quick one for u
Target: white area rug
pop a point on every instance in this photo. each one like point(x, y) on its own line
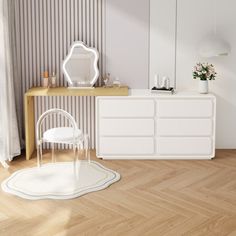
point(58, 180)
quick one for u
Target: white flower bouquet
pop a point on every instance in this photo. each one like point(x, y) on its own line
point(204, 71)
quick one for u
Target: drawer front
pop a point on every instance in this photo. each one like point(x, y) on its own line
point(126, 127)
point(184, 146)
point(185, 108)
point(184, 127)
point(126, 108)
point(126, 146)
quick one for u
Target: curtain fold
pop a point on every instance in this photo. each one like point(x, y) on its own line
point(9, 133)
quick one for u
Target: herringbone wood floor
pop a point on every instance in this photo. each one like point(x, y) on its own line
point(153, 198)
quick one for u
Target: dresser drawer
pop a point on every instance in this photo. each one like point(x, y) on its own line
point(126, 127)
point(185, 108)
point(126, 146)
point(126, 108)
point(184, 146)
point(184, 127)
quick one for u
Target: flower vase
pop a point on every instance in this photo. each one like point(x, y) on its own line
point(203, 86)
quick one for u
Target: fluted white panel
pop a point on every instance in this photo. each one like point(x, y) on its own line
point(46, 30)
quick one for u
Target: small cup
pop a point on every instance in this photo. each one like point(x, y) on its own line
point(116, 83)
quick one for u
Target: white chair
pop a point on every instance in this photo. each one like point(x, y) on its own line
point(61, 135)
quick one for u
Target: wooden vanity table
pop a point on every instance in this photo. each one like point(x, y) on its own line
point(60, 91)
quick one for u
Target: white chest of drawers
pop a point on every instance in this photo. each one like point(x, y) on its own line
point(146, 126)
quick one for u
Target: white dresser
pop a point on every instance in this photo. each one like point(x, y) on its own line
point(163, 126)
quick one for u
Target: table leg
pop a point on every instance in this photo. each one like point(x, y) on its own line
point(29, 126)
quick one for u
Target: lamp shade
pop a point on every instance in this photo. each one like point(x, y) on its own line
point(213, 46)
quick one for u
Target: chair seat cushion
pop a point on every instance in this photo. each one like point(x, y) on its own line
point(62, 135)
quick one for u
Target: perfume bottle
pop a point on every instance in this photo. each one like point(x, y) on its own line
point(107, 80)
point(45, 79)
point(165, 82)
point(156, 81)
point(116, 83)
point(53, 80)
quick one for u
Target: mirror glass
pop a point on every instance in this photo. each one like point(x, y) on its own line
point(81, 66)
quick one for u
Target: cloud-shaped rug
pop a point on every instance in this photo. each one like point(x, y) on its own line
point(59, 180)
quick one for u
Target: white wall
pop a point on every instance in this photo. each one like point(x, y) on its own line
point(127, 41)
point(194, 21)
point(127, 49)
point(162, 39)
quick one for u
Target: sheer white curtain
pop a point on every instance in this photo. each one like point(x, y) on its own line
point(9, 136)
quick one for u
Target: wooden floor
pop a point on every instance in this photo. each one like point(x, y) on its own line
point(152, 198)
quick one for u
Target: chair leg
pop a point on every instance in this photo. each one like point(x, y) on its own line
point(87, 148)
point(74, 161)
point(39, 153)
point(53, 153)
point(76, 150)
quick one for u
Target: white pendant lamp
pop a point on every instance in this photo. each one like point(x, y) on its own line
point(213, 45)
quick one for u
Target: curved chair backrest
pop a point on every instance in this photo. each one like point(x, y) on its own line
point(68, 116)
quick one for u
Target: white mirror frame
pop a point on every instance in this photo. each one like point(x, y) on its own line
point(95, 64)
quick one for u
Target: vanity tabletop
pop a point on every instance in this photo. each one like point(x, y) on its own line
point(64, 91)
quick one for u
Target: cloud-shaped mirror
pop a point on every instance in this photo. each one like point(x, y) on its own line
point(81, 66)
